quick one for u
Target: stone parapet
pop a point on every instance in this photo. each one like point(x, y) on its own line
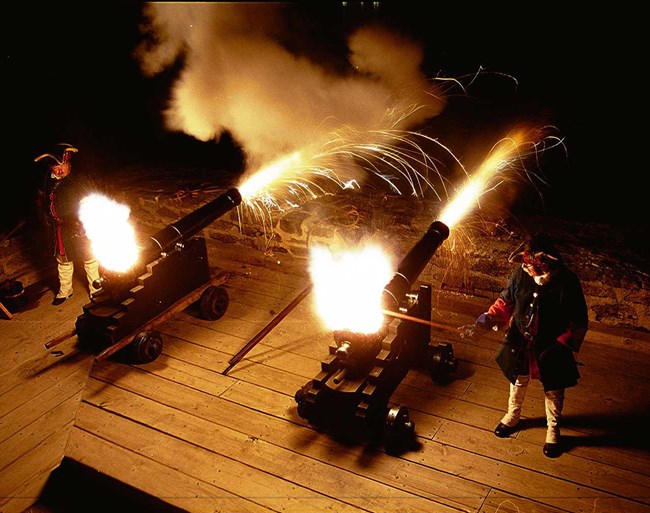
point(473, 261)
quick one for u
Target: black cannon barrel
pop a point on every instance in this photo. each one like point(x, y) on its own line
point(413, 264)
point(165, 239)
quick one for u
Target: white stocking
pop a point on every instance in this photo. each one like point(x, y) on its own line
point(516, 400)
point(66, 270)
point(553, 401)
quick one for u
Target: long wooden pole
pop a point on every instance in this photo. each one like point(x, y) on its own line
point(266, 329)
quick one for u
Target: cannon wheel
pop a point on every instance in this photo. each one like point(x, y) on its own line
point(400, 429)
point(305, 410)
point(443, 363)
point(146, 346)
point(214, 302)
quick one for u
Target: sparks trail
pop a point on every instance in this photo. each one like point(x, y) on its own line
point(507, 161)
point(401, 159)
point(406, 161)
point(397, 158)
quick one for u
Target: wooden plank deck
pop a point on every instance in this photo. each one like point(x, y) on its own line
point(198, 440)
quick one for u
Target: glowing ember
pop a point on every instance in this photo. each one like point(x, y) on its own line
point(112, 237)
point(348, 287)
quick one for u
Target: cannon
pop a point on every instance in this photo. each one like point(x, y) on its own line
point(350, 396)
point(172, 273)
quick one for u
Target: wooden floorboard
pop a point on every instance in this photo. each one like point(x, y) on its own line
point(267, 393)
point(163, 480)
point(459, 464)
point(271, 446)
point(29, 473)
point(181, 430)
point(40, 391)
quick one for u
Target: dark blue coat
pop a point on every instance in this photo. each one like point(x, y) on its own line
point(546, 325)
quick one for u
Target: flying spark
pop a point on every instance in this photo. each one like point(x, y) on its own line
point(342, 304)
point(505, 161)
point(401, 160)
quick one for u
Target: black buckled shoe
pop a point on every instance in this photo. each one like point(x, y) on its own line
point(503, 431)
point(552, 450)
point(60, 300)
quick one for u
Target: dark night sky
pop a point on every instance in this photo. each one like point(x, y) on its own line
point(72, 78)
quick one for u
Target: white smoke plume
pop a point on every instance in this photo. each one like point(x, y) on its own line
point(238, 77)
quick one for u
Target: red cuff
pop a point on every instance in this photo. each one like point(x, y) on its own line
point(565, 339)
point(500, 311)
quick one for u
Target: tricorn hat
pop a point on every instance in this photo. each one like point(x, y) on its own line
point(539, 246)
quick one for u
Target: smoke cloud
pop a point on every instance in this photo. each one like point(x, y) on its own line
point(237, 76)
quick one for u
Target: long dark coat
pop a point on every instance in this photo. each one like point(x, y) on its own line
point(558, 326)
point(61, 201)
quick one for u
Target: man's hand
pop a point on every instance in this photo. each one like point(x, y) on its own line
point(486, 322)
point(483, 322)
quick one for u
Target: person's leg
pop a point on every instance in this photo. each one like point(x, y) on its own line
point(553, 402)
point(92, 274)
point(65, 270)
point(515, 402)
